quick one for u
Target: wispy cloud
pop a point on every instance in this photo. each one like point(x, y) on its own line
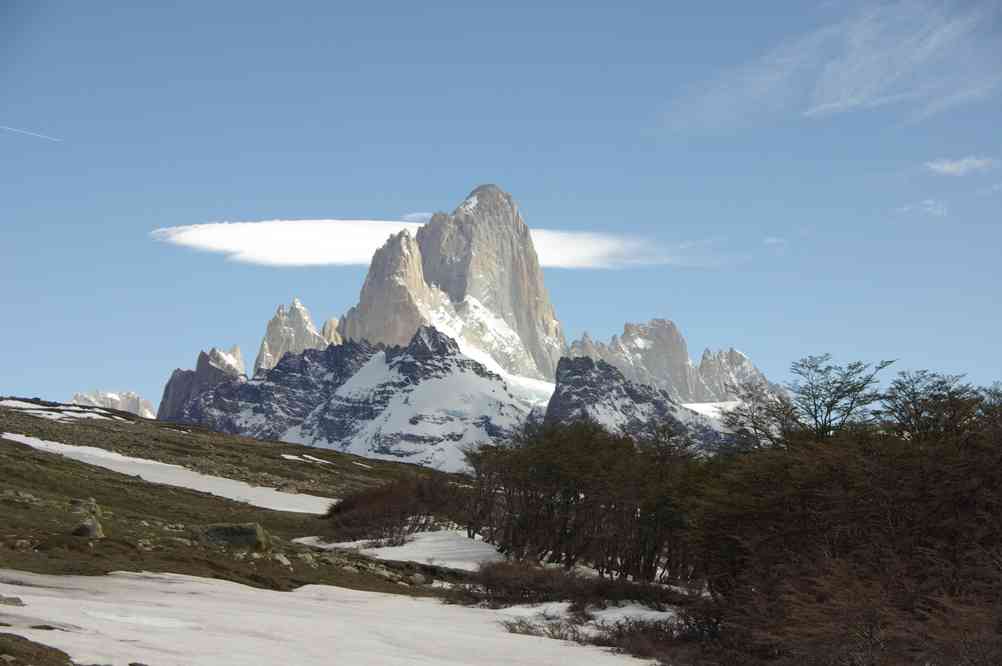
point(27, 133)
point(962, 166)
point(922, 55)
point(930, 207)
point(353, 242)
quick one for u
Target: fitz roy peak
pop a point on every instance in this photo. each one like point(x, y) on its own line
point(421, 403)
point(291, 330)
point(472, 274)
point(655, 353)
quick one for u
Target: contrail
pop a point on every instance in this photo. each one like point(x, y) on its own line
point(21, 131)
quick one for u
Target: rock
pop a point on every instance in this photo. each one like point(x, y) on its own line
point(123, 401)
point(211, 368)
point(330, 333)
point(11, 601)
point(90, 528)
point(372, 401)
point(87, 506)
point(291, 330)
point(288, 487)
point(656, 354)
point(282, 559)
point(238, 535)
point(474, 275)
point(349, 569)
point(589, 390)
point(418, 579)
point(23, 545)
point(8, 658)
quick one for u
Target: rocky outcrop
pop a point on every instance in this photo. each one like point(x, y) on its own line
point(421, 403)
point(472, 274)
point(212, 368)
point(291, 330)
point(329, 332)
point(590, 390)
point(123, 401)
point(656, 354)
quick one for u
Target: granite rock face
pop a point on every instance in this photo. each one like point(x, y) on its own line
point(291, 330)
point(656, 353)
point(422, 403)
point(472, 274)
point(590, 390)
point(212, 368)
point(124, 401)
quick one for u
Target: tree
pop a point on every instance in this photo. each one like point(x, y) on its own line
point(829, 397)
point(922, 404)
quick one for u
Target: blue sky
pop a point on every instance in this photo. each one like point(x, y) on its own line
point(807, 177)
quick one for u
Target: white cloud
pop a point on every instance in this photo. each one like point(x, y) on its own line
point(926, 55)
point(962, 166)
point(931, 207)
point(353, 242)
point(417, 217)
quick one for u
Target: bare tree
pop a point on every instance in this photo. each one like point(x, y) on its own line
point(924, 404)
point(824, 399)
point(830, 397)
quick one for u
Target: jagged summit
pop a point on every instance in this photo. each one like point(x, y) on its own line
point(656, 353)
point(472, 274)
point(290, 330)
point(125, 401)
point(211, 368)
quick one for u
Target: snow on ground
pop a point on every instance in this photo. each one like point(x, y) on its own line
point(560, 610)
point(445, 548)
point(60, 412)
point(175, 475)
point(175, 620)
point(714, 410)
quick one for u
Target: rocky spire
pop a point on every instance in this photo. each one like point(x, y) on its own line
point(656, 354)
point(290, 330)
point(125, 401)
point(212, 368)
point(473, 274)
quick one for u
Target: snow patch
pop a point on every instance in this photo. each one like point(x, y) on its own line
point(154, 471)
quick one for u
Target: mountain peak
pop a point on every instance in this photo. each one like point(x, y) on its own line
point(429, 341)
point(290, 330)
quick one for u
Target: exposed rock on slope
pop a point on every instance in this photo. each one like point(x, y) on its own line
point(655, 353)
point(473, 274)
point(421, 403)
point(211, 369)
point(596, 391)
point(125, 401)
point(291, 330)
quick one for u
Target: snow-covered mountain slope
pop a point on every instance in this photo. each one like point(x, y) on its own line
point(422, 403)
point(656, 353)
point(473, 274)
point(596, 391)
point(291, 330)
point(124, 401)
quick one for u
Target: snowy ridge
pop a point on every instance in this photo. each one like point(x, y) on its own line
point(124, 401)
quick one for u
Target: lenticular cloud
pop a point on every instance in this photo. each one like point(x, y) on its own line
point(353, 242)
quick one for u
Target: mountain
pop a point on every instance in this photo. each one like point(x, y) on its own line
point(596, 391)
point(656, 353)
point(125, 401)
point(291, 330)
point(419, 403)
point(472, 274)
point(212, 368)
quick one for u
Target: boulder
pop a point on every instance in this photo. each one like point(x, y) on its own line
point(235, 535)
point(90, 528)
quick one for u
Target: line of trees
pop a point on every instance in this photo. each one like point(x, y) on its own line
point(844, 524)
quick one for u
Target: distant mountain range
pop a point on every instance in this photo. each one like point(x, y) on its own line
point(454, 341)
